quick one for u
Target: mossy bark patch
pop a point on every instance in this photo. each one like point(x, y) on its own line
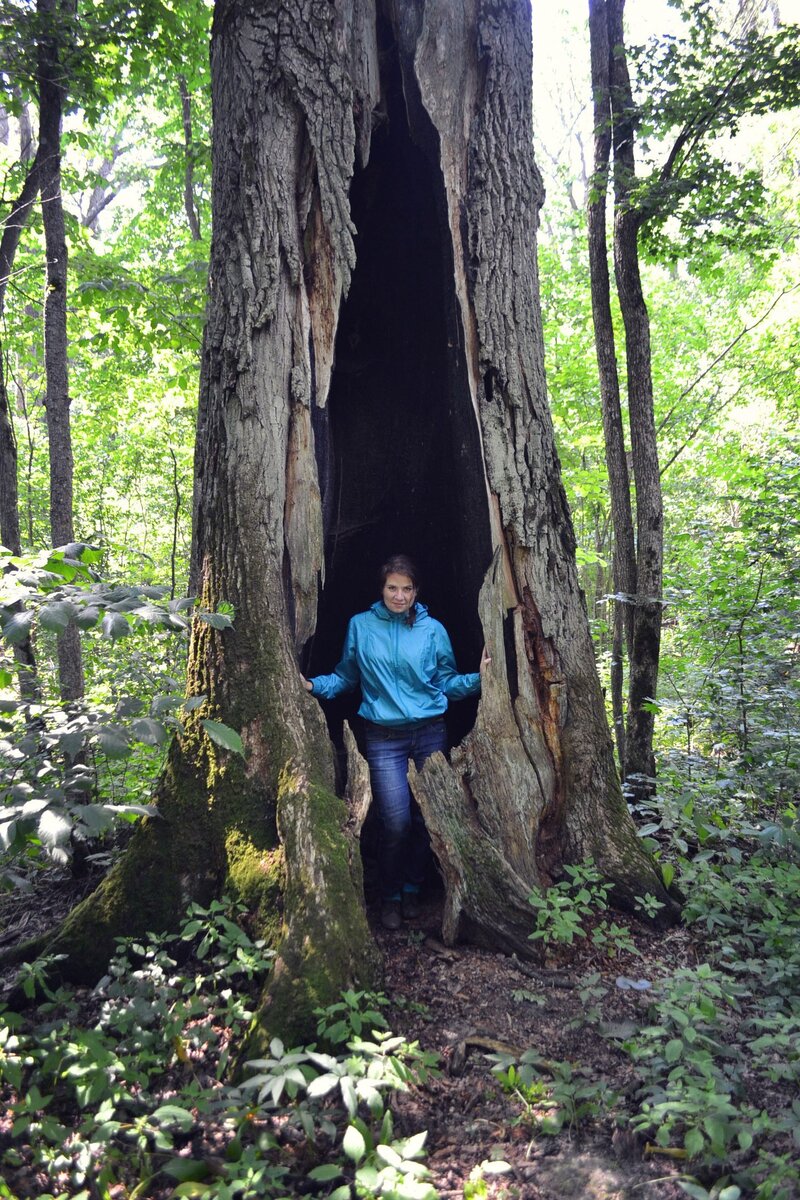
point(327, 945)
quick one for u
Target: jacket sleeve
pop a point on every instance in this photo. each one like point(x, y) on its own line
point(446, 677)
point(345, 675)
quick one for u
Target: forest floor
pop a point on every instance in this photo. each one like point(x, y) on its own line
point(466, 1004)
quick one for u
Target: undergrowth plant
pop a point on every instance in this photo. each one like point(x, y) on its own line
point(71, 774)
point(715, 1045)
point(138, 1098)
point(553, 1095)
point(575, 907)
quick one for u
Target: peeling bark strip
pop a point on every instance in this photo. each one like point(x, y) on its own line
point(321, 110)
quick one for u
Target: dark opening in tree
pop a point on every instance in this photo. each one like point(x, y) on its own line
point(398, 446)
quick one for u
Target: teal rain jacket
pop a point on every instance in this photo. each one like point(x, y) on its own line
point(407, 673)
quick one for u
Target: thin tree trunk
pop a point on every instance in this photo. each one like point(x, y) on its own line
point(645, 648)
point(27, 147)
point(9, 487)
point(57, 399)
point(624, 557)
point(175, 518)
point(188, 179)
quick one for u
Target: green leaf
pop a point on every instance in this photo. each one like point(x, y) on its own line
point(149, 731)
point(324, 1173)
point(693, 1142)
point(348, 1094)
point(137, 810)
point(71, 742)
point(716, 1130)
point(216, 620)
point(414, 1146)
point(95, 818)
point(54, 828)
point(174, 1116)
point(495, 1166)
point(353, 1144)
point(17, 628)
point(322, 1085)
point(113, 742)
point(224, 736)
point(389, 1155)
point(87, 618)
point(673, 1050)
point(694, 1190)
point(115, 626)
point(56, 616)
point(186, 1169)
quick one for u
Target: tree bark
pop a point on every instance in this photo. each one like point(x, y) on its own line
point(57, 398)
point(384, 128)
point(12, 231)
point(189, 205)
point(638, 560)
point(10, 536)
point(624, 558)
point(647, 613)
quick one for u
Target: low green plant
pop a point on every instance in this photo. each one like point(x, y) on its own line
point(70, 775)
point(109, 1105)
point(554, 1095)
point(350, 1017)
point(476, 1186)
point(564, 911)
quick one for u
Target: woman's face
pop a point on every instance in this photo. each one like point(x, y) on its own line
point(399, 593)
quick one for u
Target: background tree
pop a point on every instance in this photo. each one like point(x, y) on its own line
point(54, 25)
point(741, 74)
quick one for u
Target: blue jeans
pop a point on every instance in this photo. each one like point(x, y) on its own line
point(404, 845)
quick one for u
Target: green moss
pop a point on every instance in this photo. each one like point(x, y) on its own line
point(258, 877)
point(328, 946)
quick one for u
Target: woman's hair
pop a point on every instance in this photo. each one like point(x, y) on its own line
point(401, 564)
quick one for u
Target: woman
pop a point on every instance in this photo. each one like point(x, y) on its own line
point(403, 660)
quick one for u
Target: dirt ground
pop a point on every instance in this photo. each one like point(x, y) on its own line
point(466, 1004)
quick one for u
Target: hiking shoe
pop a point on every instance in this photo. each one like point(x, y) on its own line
point(391, 917)
point(411, 906)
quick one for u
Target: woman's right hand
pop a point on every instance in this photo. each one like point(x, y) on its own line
point(306, 684)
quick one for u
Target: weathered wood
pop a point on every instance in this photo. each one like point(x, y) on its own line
point(485, 900)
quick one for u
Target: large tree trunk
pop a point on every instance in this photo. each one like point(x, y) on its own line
point(373, 381)
point(57, 399)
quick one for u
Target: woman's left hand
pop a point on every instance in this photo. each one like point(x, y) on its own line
point(486, 658)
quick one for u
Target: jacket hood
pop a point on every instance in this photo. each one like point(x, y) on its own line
point(380, 610)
